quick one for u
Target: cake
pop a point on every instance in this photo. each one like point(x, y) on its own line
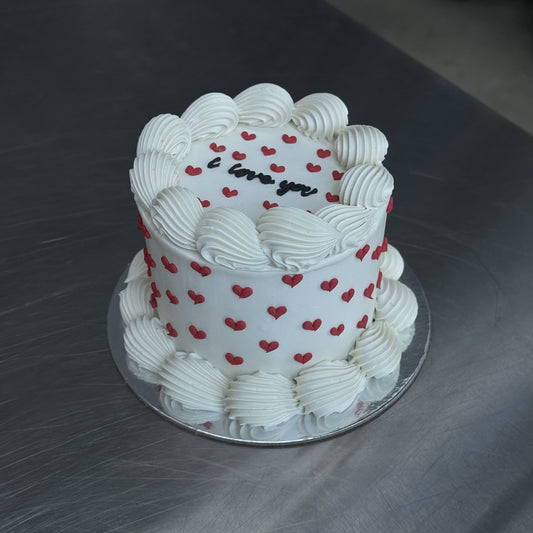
point(267, 291)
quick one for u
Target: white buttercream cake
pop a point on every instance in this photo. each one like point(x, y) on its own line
point(267, 289)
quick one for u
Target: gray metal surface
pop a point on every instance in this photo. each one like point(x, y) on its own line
point(79, 453)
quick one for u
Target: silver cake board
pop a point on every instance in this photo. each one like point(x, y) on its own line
point(374, 400)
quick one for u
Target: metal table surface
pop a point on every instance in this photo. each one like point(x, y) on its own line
point(79, 452)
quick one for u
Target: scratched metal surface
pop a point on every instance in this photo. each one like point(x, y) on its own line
point(79, 452)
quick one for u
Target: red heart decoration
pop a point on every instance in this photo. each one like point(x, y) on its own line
point(155, 290)
point(292, 280)
point(390, 205)
point(348, 295)
point(368, 291)
point(242, 292)
point(303, 358)
point(193, 171)
point(173, 299)
point(332, 197)
point(196, 298)
point(268, 151)
point(203, 270)
point(171, 267)
point(329, 285)
point(337, 331)
point(378, 282)
point(313, 168)
point(360, 254)
point(153, 301)
point(248, 136)
point(269, 346)
point(289, 139)
point(312, 326)
point(323, 153)
point(234, 359)
point(148, 259)
point(385, 244)
point(276, 312)
point(197, 333)
point(235, 326)
point(239, 156)
point(363, 322)
point(276, 168)
point(229, 193)
point(268, 205)
point(205, 203)
point(141, 227)
point(217, 148)
point(171, 331)
point(376, 253)
point(337, 175)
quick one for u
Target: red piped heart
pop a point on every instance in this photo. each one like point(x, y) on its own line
point(329, 285)
point(289, 139)
point(193, 171)
point(242, 292)
point(313, 168)
point(378, 282)
point(292, 280)
point(205, 203)
point(153, 301)
point(171, 267)
point(217, 147)
point(248, 136)
point(171, 331)
point(337, 331)
point(363, 322)
point(268, 205)
point(234, 359)
point(148, 259)
point(239, 156)
point(337, 175)
point(385, 245)
point(276, 312)
point(332, 197)
point(368, 291)
point(269, 346)
point(323, 153)
point(173, 299)
point(197, 333)
point(276, 168)
point(141, 227)
point(390, 205)
point(203, 270)
point(155, 290)
point(268, 151)
point(303, 358)
point(376, 253)
point(196, 298)
point(348, 295)
point(228, 193)
point(312, 326)
point(360, 254)
point(235, 326)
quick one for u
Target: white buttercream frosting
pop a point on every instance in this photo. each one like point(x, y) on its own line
point(320, 115)
point(261, 399)
point(257, 433)
point(176, 212)
point(329, 387)
point(295, 239)
point(396, 304)
point(228, 237)
point(152, 172)
point(377, 351)
point(378, 388)
point(147, 343)
point(358, 145)
point(165, 133)
point(264, 104)
point(137, 268)
point(135, 300)
point(391, 263)
point(211, 115)
point(366, 186)
point(405, 336)
point(189, 416)
point(194, 382)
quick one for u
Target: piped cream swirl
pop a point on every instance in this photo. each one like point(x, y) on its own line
point(135, 300)
point(165, 133)
point(391, 263)
point(358, 145)
point(396, 304)
point(366, 186)
point(137, 267)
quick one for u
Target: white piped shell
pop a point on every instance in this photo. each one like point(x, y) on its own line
point(320, 115)
point(152, 172)
point(228, 237)
point(165, 133)
point(396, 304)
point(137, 267)
point(176, 212)
point(135, 300)
point(367, 186)
point(211, 115)
point(358, 145)
point(265, 105)
point(391, 263)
